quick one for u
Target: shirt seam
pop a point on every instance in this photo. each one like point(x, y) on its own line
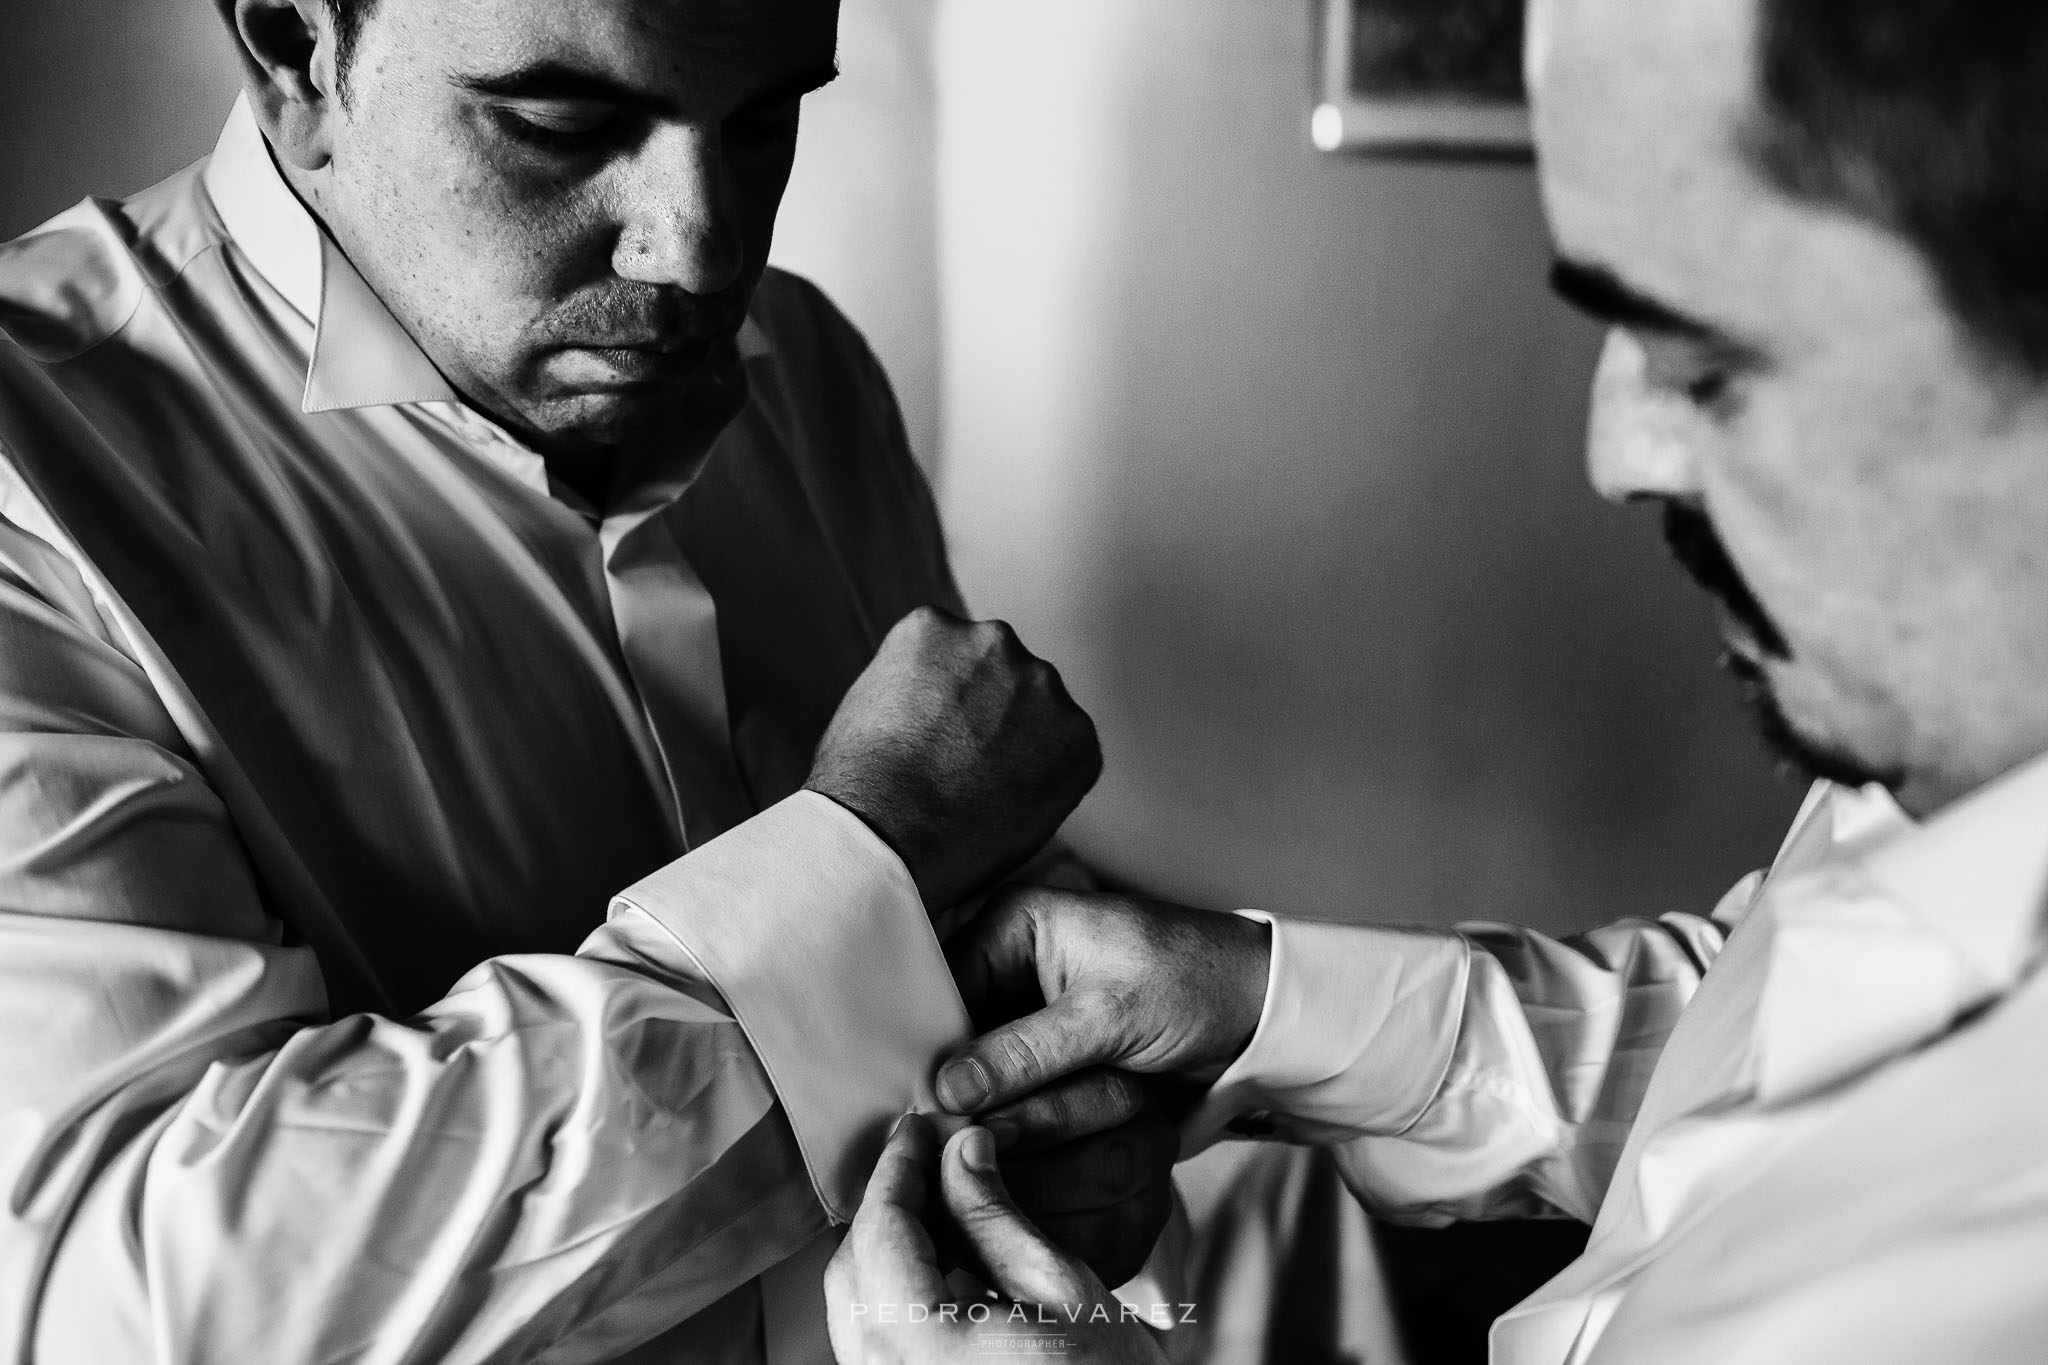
point(1457, 1031)
point(740, 1016)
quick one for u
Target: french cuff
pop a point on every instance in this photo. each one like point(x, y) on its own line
point(1355, 1037)
point(811, 928)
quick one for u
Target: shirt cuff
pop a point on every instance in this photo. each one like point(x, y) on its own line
point(1355, 1037)
point(812, 930)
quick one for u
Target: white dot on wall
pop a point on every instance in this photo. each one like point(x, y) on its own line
point(1326, 127)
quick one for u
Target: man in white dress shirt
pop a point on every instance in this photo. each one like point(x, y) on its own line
point(1811, 1125)
point(423, 526)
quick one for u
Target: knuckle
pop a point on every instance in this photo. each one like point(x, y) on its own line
point(1057, 1109)
point(1006, 903)
point(1123, 1098)
point(1041, 905)
point(988, 1213)
point(1092, 740)
point(1021, 1057)
point(864, 1242)
point(1092, 1106)
point(839, 1277)
point(1049, 681)
point(1117, 1005)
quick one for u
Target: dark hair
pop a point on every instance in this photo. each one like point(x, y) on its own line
point(1929, 117)
point(348, 27)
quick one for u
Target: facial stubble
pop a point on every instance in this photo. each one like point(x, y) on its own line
point(1697, 547)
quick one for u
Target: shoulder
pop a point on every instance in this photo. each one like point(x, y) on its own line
point(69, 285)
point(806, 332)
point(819, 388)
point(1899, 1219)
point(814, 374)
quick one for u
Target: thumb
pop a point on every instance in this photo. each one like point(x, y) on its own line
point(1080, 1029)
point(1024, 1265)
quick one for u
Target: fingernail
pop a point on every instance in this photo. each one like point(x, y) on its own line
point(902, 1119)
point(978, 1151)
point(963, 1087)
point(1004, 1133)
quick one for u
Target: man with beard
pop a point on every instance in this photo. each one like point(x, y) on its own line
point(422, 524)
point(1810, 1125)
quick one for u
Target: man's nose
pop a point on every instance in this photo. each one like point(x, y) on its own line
point(677, 226)
point(1640, 444)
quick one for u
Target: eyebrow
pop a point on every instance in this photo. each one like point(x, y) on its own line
point(1603, 295)
point(555, 80)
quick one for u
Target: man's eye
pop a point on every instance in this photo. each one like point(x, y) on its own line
point(1707, 390)
point(1704, 377)
point(555, 124)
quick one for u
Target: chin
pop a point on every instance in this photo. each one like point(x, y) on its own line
point(592, 423)
point(592, 418)
point(1802, 749)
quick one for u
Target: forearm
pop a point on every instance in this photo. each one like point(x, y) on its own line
point(531, 1156)
point(1488, 1073)
point(579, 1151)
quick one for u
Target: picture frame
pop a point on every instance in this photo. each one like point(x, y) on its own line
point(1437, 78)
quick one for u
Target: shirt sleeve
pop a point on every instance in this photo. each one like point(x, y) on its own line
point(837, 979)
point(1488, 1072)
point(565, 1156)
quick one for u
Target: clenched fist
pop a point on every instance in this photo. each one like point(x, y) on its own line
point(961, 749)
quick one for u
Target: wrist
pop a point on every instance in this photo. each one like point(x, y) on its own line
point(1226, 998)
point(1251, 960)
point(885, 829)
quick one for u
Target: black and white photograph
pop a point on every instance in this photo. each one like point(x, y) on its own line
point(1440, 77)
point(1090, 682)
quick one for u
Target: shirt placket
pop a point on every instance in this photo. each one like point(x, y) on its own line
point(668, 630)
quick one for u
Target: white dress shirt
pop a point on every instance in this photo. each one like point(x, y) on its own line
point(1832, 1146)
point(329, 729)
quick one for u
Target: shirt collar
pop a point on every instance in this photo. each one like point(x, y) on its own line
point(361, 356)
point(1977, 873)
point(1974, 875)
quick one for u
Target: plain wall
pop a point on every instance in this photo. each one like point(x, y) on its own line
point(104, 97)
point(1279, 455)
point(861, 215)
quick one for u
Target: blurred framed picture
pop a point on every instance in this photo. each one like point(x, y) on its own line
point(1421, 77)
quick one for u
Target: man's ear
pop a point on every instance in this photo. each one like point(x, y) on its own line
point(287, 54)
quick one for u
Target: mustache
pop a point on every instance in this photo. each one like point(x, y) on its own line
point(637, 313)
point(1698, 549)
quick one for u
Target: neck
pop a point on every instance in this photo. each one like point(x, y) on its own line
point(594, 477)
